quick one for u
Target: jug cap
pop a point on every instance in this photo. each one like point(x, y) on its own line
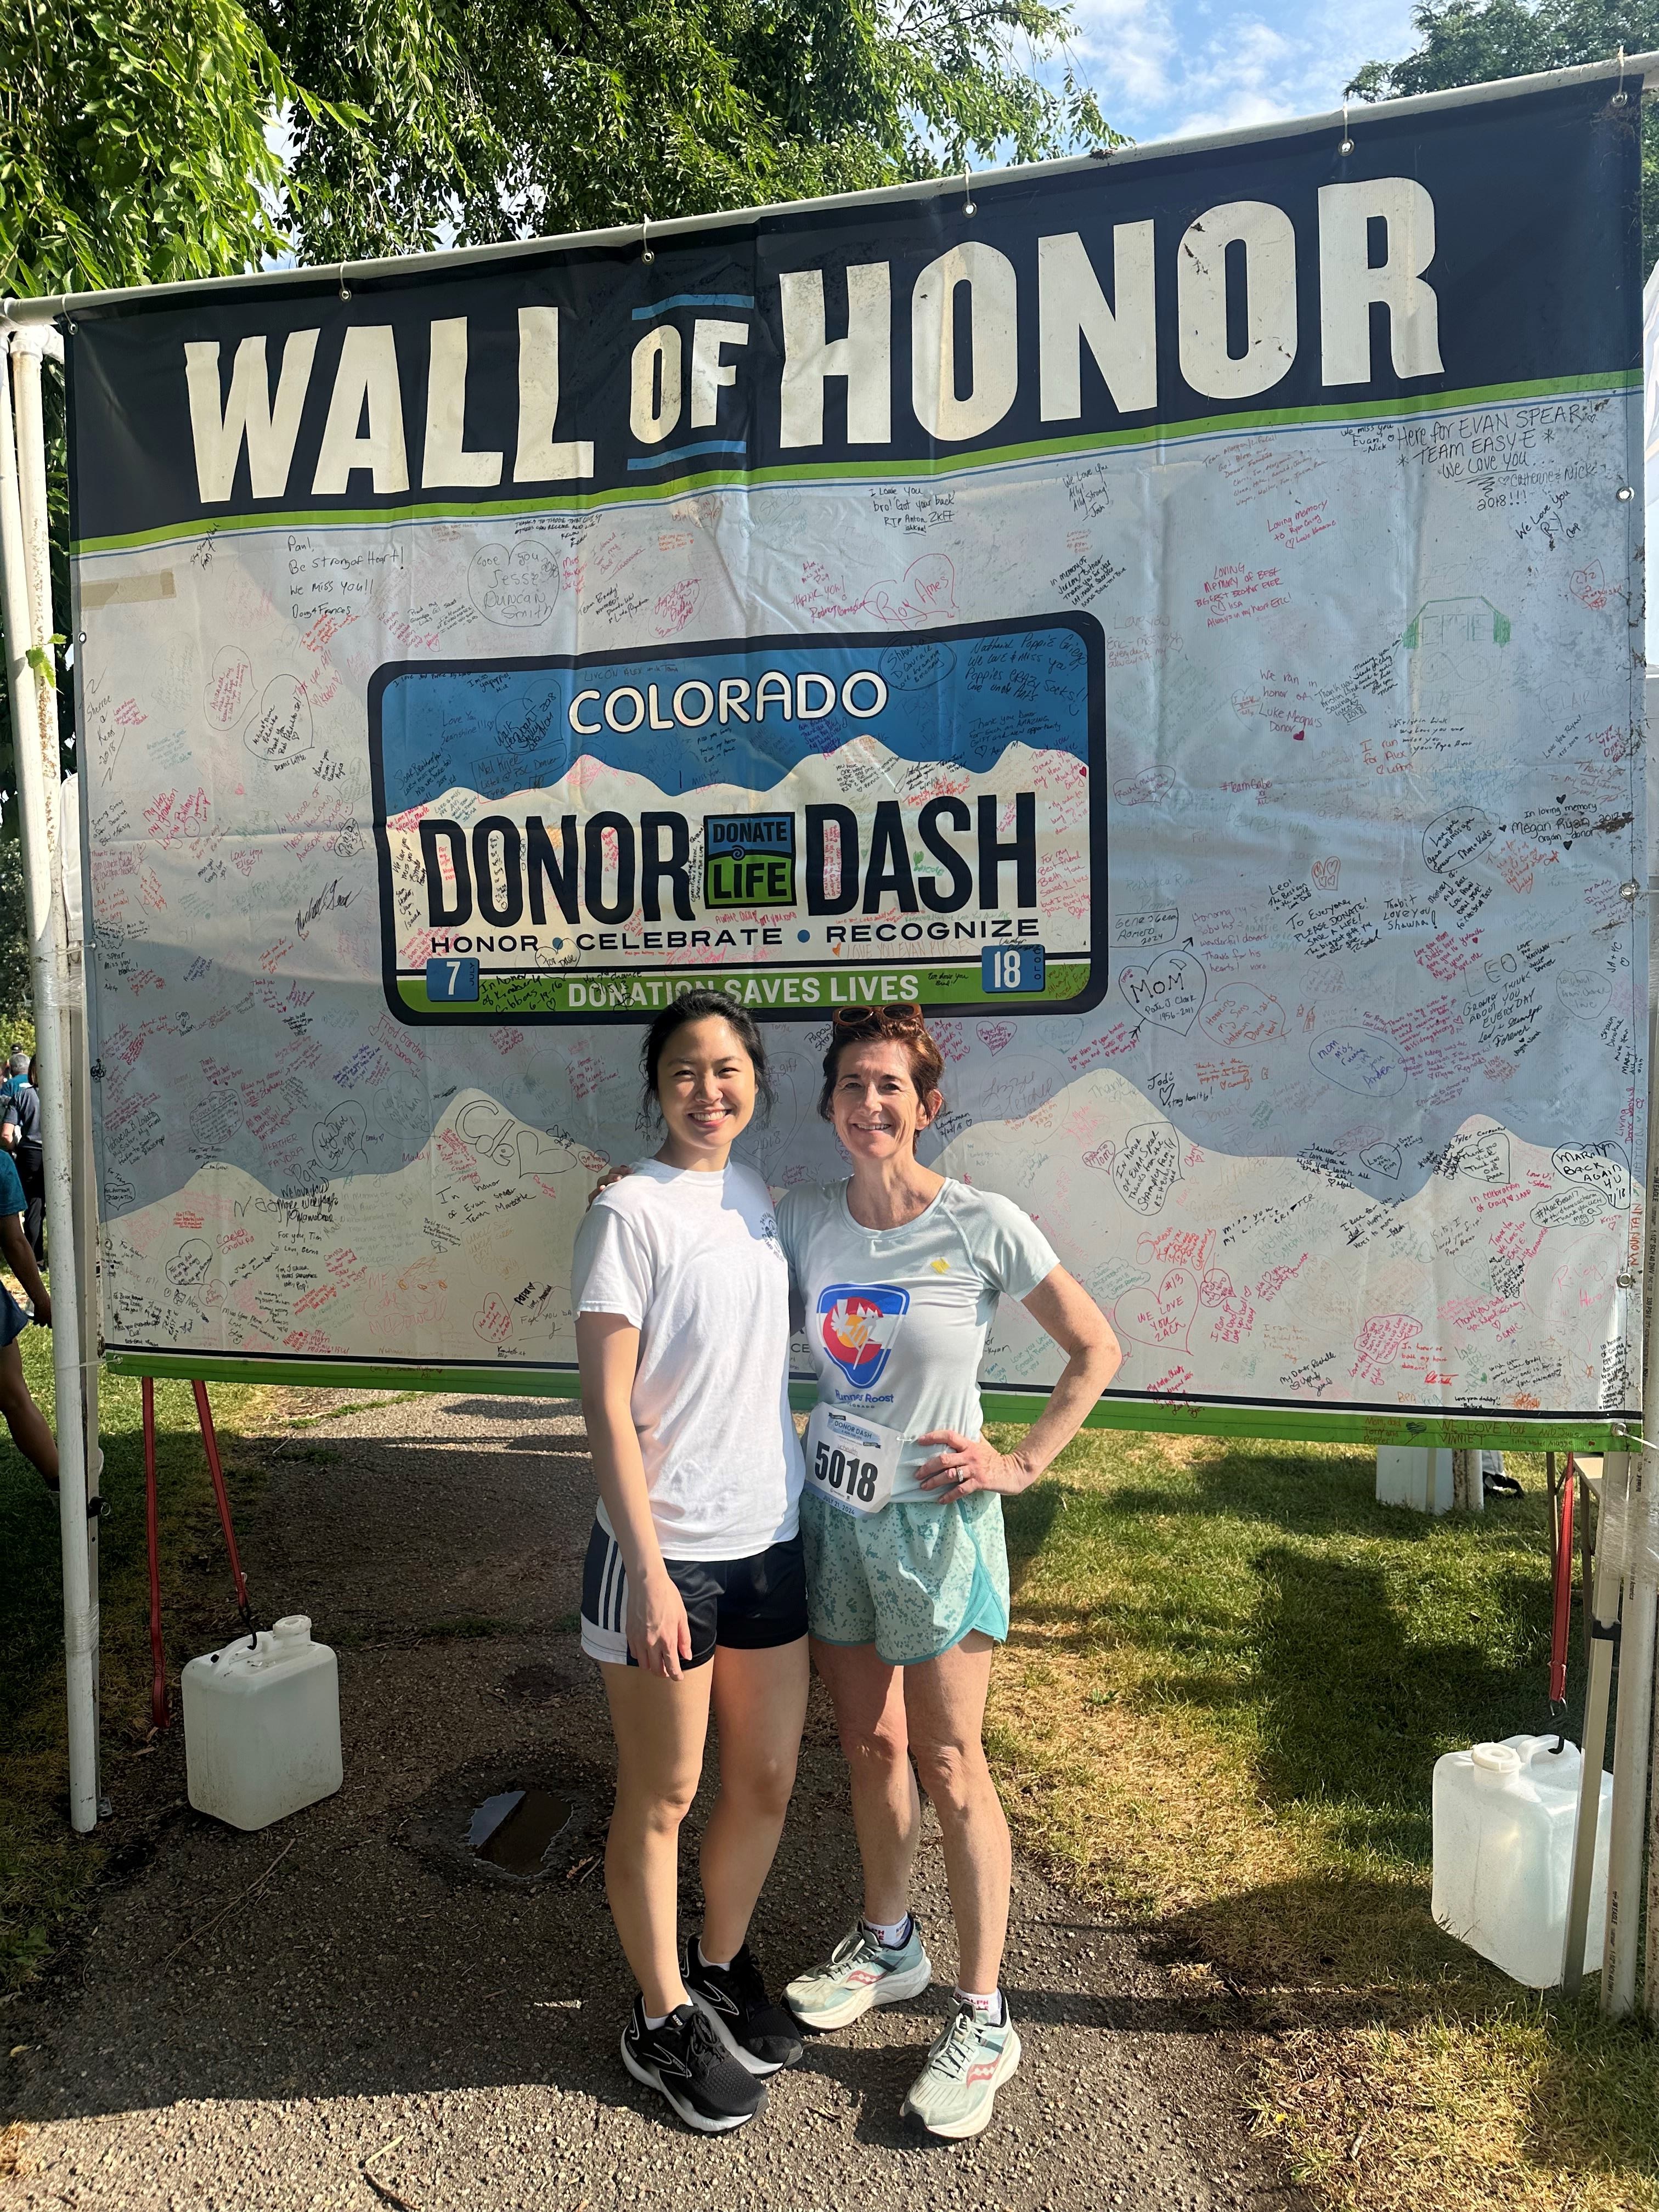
point(1500, 1760)
point(293, 1628)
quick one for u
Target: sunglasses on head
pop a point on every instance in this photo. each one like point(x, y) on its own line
point(880, 1021)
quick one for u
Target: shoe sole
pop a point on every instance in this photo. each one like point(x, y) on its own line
point(893, 1988)
point(758, 2067)
point(974, 2123)
point(688, 2114)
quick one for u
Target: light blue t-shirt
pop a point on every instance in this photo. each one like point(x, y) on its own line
point(896, 1319)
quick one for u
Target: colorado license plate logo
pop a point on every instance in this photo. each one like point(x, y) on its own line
point(806, 823)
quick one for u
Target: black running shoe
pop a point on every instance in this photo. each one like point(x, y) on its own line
point(758, 2033)
point(710, 2092)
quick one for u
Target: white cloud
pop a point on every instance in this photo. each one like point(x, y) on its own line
point(1131, 48)
point(1175, 68)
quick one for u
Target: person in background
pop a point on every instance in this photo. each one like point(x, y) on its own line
point(20, 1134)
point(22, 1416)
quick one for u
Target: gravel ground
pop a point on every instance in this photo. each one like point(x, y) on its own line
point(345, 2008)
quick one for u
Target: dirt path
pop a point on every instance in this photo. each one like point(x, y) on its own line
point(343, 2010)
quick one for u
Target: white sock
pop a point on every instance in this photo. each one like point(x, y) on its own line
point(989, 2008)
point(704, 1959)
point(654, 2024)
point(892, 1934)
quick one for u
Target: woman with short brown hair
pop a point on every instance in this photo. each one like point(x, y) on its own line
point(898, 1271)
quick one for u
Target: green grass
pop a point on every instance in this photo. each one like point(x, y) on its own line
point(1229, 1677)
point(46, 1872)
point(1229, 1674)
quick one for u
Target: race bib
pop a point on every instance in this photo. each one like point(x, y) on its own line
point(851, 1461)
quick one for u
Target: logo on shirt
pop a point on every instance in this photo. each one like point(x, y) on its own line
point(860, 1322)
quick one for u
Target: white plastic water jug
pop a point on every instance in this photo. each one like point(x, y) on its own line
point(1503, 1820)
point(262, 1726)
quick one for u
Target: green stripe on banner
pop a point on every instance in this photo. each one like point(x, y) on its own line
point(500, 1381)
point(1154, 436)
point(1290, 1424)
point(1265, 1424)
point(939, 983)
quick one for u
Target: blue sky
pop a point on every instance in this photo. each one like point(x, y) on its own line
point(1169, 68)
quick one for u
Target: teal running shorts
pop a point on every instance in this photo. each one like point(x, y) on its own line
point(912, 1579)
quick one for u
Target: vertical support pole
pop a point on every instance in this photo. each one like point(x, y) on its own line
point(1604, 1629)
point(26, 580)
point(158, 1680)
point(1650, 1977)
point(210, 1446)
point(85, 1178)
point(1632, 1731)
point(1469, 1482)
point(1587, 1554)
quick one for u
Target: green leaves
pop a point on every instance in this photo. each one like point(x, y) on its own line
point(140, 154)
point(1473, 41)
point(179, 139)
point(519, 117)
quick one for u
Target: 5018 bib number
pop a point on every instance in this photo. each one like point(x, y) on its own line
point(851, 1462)
point(845, 1473)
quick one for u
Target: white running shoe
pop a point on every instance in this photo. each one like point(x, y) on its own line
point(861, 1971)
point(969, 2062)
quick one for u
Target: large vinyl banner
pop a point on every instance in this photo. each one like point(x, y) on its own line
point(1175, 617)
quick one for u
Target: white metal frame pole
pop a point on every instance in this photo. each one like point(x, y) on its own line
point(1627, 1824)
point(1639, 1629)
point(1604, 1606)
point(1650, 1978)
point(26, 578)
point(1650, 1288)
point(77, 1059)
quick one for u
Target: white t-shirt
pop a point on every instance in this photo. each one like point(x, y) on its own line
point(897, 1318)
point(692, 1259)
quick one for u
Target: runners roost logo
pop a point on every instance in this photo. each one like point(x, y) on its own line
point(859, 1322)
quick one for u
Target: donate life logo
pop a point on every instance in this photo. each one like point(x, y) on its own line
point(859, 1322)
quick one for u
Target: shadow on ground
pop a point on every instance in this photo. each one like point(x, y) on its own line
point(254, 2015)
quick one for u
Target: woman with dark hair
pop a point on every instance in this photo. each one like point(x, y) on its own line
point(899, 1270)
point(693, 1590)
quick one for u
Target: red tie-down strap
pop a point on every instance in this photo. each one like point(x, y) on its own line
point(1563, 1587)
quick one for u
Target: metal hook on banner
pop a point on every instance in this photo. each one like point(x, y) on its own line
point(345, 288)
point(1620, 96)
point(1347, 147)
point(645, 253)
point(969, 206)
